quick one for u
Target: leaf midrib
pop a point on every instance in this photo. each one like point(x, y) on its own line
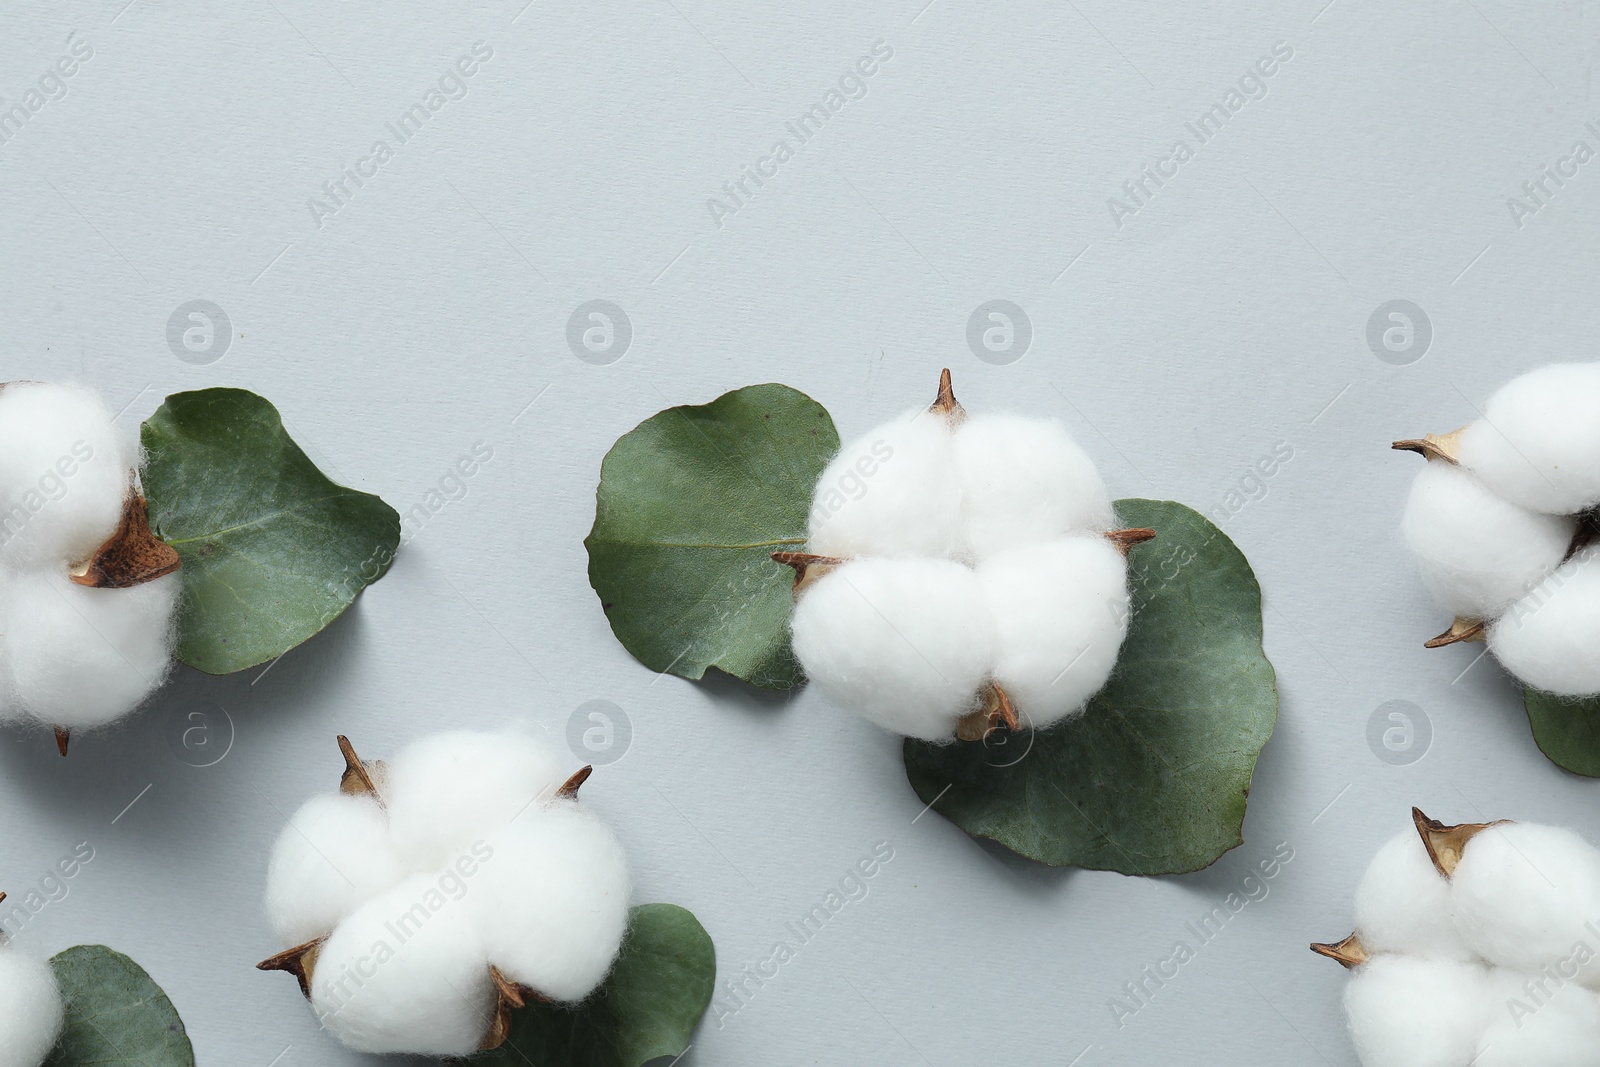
point(254, 522)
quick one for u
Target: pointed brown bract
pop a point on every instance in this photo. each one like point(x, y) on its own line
point(358, 778)
point(1126, 539)
point(807, 567)
point(299, 961)
point(569, 788)
point(1432, 446)
point(131, 556)
point(1350, 952)
point(946, 403)
point(1445, 844)
point(996, 710)
point(1460, 630)
point(63, 738)
point(510, 996)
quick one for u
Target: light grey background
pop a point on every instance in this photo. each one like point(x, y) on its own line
point(1227, 316)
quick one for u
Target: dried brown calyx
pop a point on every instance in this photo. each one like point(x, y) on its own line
point(510, 996)
point(1445, 844)
point(946, 403)
point(808, 568)
point(1461, 629)
point(132, 555)
point(995, 710)
point(299, 961)
point(361, 777)
point(1444, 447)
point(1350, 952)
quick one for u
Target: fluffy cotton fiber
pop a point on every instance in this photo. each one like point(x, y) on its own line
point(71, 656)
point(1477, 552)
point(1025, 481)
point(1060, 612)
point(467, 858)
point(1538, 444)
point(1550, 637)
point(975, 555)
point(903, 642)
point(1407, 1012)
point(1493, 966)
point(890, 493)
point(1538, 1024)
point(30, 1009)
point(1402, 904)
point(65, 468)
point(1525, 894)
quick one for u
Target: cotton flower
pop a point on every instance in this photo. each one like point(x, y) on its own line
point(30, 1008)
point(87, 594)
point(437, 891)
point(962, 572)
point(1493, 521)
point(1476, 944)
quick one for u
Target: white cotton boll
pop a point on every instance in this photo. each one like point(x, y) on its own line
point(1549, 637)
point(1524, 895)
point(65, 470)
point(1402, 904)
point(1024, 481)
point(30, 1009)
point(1475, 551)
point(406, 972)
point(1533, 1021)
point(904, 643)
point(551, 901)
point(1538, 443)
point(82, 657)
point(333, 855)
point(1060, 613)
point(891, 492)
point(446, 790)
point(1407, 1012)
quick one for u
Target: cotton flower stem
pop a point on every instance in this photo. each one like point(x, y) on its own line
point(357, 778)
point(1460, 630)
point(996, 710)
point(946, 403)
point(300, 961)
point(63, 738)
point(808, 568)
point(1350, 952)
point(1433, 446)
point(1445, 844)
point(1126, 539)
point(132, 555)
point(569, 788)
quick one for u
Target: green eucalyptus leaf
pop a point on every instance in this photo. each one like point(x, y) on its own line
point(116, 1016)
point(1567, 730)
point(692, 503)
point(273, 551)
point(647, 1007)
point(1153, 778)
